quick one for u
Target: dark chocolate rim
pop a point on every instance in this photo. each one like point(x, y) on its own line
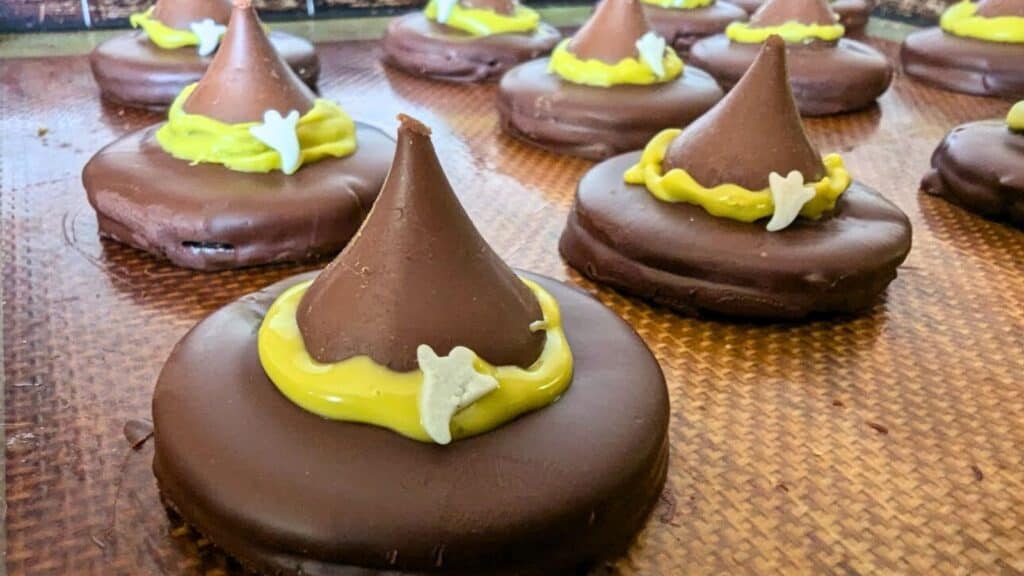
point(933, 69)
point(437, 59)
point(592, 518)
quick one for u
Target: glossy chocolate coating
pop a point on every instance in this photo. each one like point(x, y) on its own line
point(421, 47)
point(181, 13)
point(681, 28)
point(981, 167)
point(611, 33)
point(778, 12)
point(544, 110)
point(826, 77)
point(418, 272)
point(997, 8)
point(853, 14)
point(678, 255)
point(132, 71)
point(207, 217)
point(964, 65)
point(288, 492)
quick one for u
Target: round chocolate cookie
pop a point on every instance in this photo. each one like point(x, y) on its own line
point(981, 167)
point(425, 48)
point(682, 27)
point(541, 108)
point(208, 217)
point(288, 492)
point(964, 64)
point(678, 255)
point(132, 71)
point(826, 78)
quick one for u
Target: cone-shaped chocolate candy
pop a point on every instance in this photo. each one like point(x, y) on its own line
point(995, 8)
point(612, 31)
point(418, 272)
point(180, 13)
point(778, 12)
point(754, 131)
point(247, 76)
point(506, 7)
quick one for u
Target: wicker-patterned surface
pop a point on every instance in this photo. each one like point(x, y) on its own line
point(892, 443)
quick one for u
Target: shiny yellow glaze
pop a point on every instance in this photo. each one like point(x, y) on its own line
point(325, 131)
point(360, 390)
point(1015, 119)
point(961, 19)
point(593, 72)
point(728, 200)
point(791, 32)
point(161, 34)
point(680, 4)
point(479, 22)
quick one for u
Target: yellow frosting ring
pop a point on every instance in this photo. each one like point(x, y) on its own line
point(728, 200)
point(593, 72)
point(360, 390)
point(680, 4)
point(479, 22)
point(325, 131)
point(961, 19)
point(791, 32)
point(1015, 119)
point(161, 34)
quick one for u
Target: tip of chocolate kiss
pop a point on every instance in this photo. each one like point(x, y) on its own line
point(413, 125)
point(243, 4)
point(775, 41)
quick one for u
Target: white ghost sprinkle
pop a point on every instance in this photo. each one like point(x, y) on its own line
point(279, 133)
point(789, 195)
point(209, 34)
point(652, 52)
point(450, 383)
point(444, 9)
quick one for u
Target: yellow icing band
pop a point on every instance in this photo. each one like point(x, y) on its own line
point(680, 4)
point(1015, 119)
point(479, 22)
point(325, 131)
point(593, 72)
point(360, 390)
point(161, 34)
point(961, 19)
point(728, 200)
point(791, 32)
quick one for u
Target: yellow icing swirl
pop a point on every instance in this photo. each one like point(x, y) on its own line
point(961, 19)
point(593, 72)
point(325, 131)
point(791, 32)
point(728, 200)
point(161, 34)
point(477, 22)
point(680, 4)
point(1015, 119)
point(360, 390)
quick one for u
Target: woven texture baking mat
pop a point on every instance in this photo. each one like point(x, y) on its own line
point(890, 443)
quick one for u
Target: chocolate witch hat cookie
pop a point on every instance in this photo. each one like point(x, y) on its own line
point(608, 89)
point(852, 14)
point(738, 215)
point(175, 44)
point(428, 360)
point(467, 40)
point(829, 73)
point(250, 167)
point(684, 22)
point(978, 48)
point(980, 166)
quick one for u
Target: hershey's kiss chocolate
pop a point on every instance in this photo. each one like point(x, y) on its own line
point(754, 131)
point(418, 272)
point(505, 7)
point(996, 8)
point(180, 13)
point(247, 76)
point(611, 32)
point(778, 12)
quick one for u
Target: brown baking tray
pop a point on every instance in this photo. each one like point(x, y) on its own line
point(889, 443)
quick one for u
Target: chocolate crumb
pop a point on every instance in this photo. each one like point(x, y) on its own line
point(782, 486)
point(978, 474)
point(838, 403)
point(881, 429)
point(41, 131)
point(138, 432)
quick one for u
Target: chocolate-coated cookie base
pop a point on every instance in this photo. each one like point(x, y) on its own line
point(964, 64)
point(132, 71)
point(540, 108)
point(981, 167)
point(422, 47)
point(853, 14)
point(683, 27)
point(678, 255)
point(208, 217)
point(288, 492)
point(827, 78)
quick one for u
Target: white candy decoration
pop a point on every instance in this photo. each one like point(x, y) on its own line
point(444, 9)
point(279, 133)
point(209, 34)
point(789, 195)
point(450, 383)
point(652, 52)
